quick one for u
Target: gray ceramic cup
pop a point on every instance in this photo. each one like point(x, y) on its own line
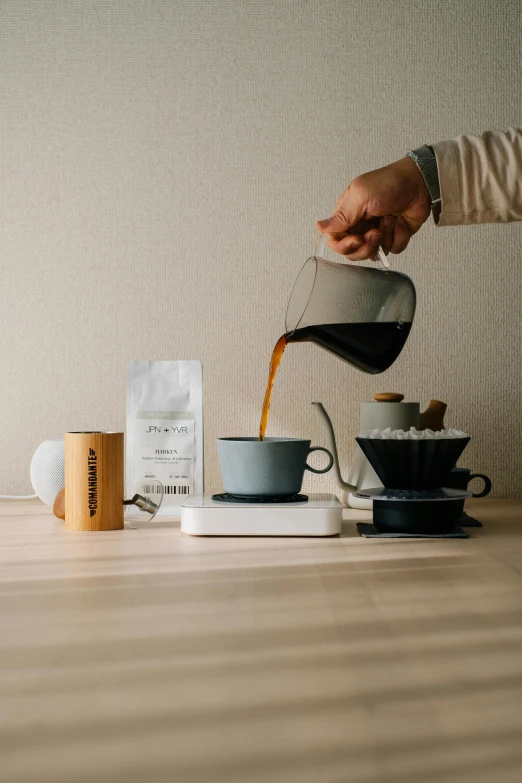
point(271, 467)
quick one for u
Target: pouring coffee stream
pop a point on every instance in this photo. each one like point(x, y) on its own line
point(277, 355)
point(361, 314)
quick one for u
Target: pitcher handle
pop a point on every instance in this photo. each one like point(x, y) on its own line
point(379, 257)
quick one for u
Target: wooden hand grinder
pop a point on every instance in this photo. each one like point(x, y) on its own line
point(92, 498)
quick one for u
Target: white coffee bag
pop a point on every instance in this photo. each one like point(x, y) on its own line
point(164, 434)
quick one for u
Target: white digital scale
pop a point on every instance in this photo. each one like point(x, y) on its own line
point(319, 515)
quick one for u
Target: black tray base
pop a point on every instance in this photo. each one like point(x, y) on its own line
point(367, 530)
point(467, 521)
point(225, 497)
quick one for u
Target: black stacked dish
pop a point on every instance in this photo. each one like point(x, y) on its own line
point(413, 473)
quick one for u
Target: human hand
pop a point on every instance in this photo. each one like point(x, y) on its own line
point(382, 207)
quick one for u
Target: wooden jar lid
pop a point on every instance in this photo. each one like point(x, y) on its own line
point(388, 397)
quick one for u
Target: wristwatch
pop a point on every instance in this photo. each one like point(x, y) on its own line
point(426, 162)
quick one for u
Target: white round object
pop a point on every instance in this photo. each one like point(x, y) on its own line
point(47, 470)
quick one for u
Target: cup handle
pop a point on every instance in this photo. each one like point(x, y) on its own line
point(487, 485)
point(320, 470)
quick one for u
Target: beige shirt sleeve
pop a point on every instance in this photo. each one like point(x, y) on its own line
point(480, 178)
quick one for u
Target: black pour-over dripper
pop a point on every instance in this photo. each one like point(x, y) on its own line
point(413, 464)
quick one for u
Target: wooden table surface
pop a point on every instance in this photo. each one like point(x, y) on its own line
point(148, 656)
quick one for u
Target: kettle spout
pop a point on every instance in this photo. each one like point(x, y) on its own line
point(332, 445)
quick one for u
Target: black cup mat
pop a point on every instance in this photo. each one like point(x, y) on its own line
point(224, 497)
point(367, 530)
point(467, 521)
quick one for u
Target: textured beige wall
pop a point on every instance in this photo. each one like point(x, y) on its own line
point(162, 167)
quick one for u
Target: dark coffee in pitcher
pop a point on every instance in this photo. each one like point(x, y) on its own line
point(371, 347)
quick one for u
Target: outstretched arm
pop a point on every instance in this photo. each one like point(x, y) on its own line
point(480, 178)
point(469, 179)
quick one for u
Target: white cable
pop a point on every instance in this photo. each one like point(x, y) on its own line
point(18, 497)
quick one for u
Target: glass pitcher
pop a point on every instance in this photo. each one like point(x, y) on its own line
point(360, 312)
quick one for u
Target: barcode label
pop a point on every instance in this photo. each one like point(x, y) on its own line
point(151, 489)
